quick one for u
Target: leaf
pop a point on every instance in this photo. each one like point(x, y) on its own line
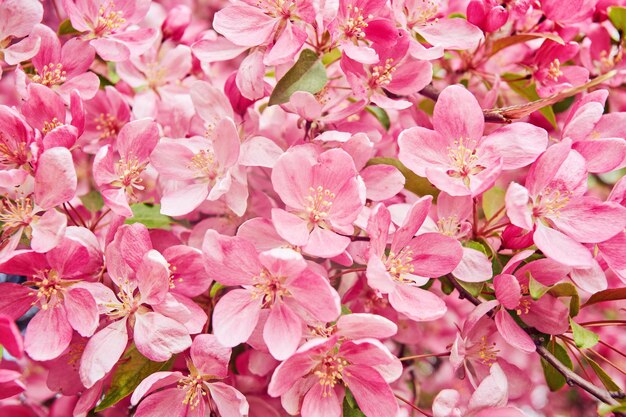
point(307, 74)
point(149, 215)
point(535, 288)
point(417, 185)
point(473, 288)
point(584, 338)
point(528, 90)
point(446, 286)
point(66, 28)
point(606, 295)
point(606, 380)
point(477, 246)
point(331, 56)
point(493, 201)
point(350, 407)
point(554, 379)
point(567, 289)
point(617, 16)
point(215, 288)
point(380, 114)
point(502, 43)
point(92, 201)
point(345, 310)
point(132, 369)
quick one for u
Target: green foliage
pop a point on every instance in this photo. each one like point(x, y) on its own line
point(92, 201)
point(528, 90)
point(584, 338)
point(66, 28)
point(617, 16)
point(307, 74)
point(132, 369)
point(493, 201)
point(380, 115)
point(606, 380)
point(554, 379)
point(417, 185)
point(149, 215)
point(350, 407)
point(612, 294)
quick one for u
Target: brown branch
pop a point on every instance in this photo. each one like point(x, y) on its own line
point(571, 377)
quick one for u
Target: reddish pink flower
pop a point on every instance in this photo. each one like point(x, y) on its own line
point(197, 393)
point(410, 262)
point(488, 15)
point(53, 286)
point(323, 196)
point(119, 181)
point(279, 280)
point(551, 75)
point(313, 380)
point(10, 336)
point(109, 26)
point(553, 205)
point(456, 157)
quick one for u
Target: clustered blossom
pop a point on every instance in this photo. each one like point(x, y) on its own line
point(378, 208)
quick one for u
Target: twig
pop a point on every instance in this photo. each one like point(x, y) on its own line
point(413, 406)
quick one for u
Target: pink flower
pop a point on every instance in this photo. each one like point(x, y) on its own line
point(10, 336)
point(313, 380)
point(410, 262)
point(119, 181)
point(488, 15)
point(456, 157)
point(196, 393)
point(551, 76)
point(64, 68)
point(279, 280)
point(322, 195)
point(105, 115)
point(599, 138)
point(142, 278)
point(109, 26)
point(488, 400)
point(553, 205)
point(19, 17)
point(53, 279)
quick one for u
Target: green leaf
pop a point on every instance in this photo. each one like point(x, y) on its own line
point(446, 286)
point(477, 246)
point(92, 201)
point(417, 185)
point(66, 28)
point(617, 16)
point(215, 288)
point(610, 410)
point(132, 369)
point(528, 90)
point(307, 74)
point(535, 288)
point(380, 114)
point(584, 338)
point(330, 57)
point(567, 289)
point(350, 407)
point(505, 42)
point(554, 379)
point(345, 310)
point(606, 380)
point(493, 201)
point(606, 295)
point(149, 215)
point(473, 288)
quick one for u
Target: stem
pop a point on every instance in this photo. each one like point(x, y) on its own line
point(414, 407)
point(571, 377)
point(346, 271)
point(426, 355)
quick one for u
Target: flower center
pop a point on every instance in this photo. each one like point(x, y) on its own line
point(382, 74)
point(487, 352)
point(550, 202)
point(52, 74)
point(128, 172)
point(205, 166)
point(12, 152)
point(51, 125)
point(48, 284)
point(155, 74)
point(106, 125)
point(195, 388)
point(449, 226)
point(15, 214)
point(269, 287)
point(109, 19)
point(319, 202)
point(554, 70)
point(330, 372)
point(463, 160)
point(400, 264)
point(355, 23)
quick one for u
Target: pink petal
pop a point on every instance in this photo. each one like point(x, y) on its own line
point(519, 144)
point(48, 231)
point(602, 155)
point(518, 207)
point(10, 337)
point(229, 401)
point(562, 248)
point(102, 352)
point(492, 391)
point(235, 316)
point(315, 295)
point(474, 267)
point(137, 139)
point(82, 311)
point(325, 243)
point(378, 276)
point(158, 337)
point(412, 222)
point(166, 403)
point(48, 334)
point(230, 260)
point(458, 115)
point(434, 254)
point(451, 34)
point(370, 391)
point(153, 278)
point(282, 332)
point(416, 303)
point(209, 356)
point(421, 148)
point(512, 333)
point(243, 24)
point(548, 315)
point(16, 299)
point(55, 179)
point(508, 290)
point(319, 403)
point(591, 220)
point(154, 382)
point(363, 325)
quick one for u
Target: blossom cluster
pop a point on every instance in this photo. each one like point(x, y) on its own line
point(379, 208)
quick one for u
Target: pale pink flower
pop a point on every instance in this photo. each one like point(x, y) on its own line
point(19, 17)
point(279, 280)
point(120, 179)
point(323, 197)
point(199, 392)
point(410, 261)
point(554, 206)
point(456, 157)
